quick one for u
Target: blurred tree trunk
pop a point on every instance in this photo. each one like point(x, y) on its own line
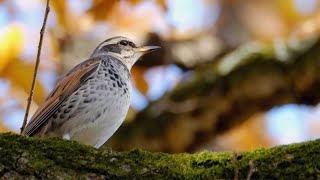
point(31, 158)
point(221, 95)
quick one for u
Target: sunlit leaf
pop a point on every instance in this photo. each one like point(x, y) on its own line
point(135, 1)
point(10, 44)
point(139, 80)
point(101, 9)
point(20, 74)
point(163, 4)
point(60, 8)
point(289, 11)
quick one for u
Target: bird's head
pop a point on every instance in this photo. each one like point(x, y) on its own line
point(123, 49)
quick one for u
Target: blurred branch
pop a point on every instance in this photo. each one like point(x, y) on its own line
point(215, 98)
point(31, 158)
point(171, 52)
point(36, 66)
point(186, 53)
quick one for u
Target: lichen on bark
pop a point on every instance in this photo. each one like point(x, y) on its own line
point(24, 157)
point(221, 95)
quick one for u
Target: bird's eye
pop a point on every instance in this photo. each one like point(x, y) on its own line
point(124, 42)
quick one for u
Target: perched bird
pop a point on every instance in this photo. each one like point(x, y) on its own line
point(90, 103)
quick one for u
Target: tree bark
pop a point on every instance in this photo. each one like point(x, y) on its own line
point(31, 158)
point(221, 95)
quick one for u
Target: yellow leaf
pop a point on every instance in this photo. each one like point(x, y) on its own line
point(20, 74)
point(59, 7)
point(11, 39)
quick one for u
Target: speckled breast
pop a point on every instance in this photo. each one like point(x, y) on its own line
point(100, 105)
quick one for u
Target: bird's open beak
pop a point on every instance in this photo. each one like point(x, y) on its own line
point(147, 49)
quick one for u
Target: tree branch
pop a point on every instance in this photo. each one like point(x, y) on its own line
point(36, 67)
point(219, 96)
point(31, 158)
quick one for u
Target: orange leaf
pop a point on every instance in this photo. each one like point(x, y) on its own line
point(101, 9)
point(134, 2)
point(60, 7)
point(138, 78)
point(163, 4)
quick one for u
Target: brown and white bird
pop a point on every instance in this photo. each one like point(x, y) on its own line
point(90, 103)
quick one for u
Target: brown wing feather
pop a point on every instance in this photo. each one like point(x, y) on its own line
point(64, 89)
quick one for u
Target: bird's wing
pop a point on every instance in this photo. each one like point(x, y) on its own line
point(77, 76)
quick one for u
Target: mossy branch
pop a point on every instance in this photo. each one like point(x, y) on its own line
point(25, 157)
point(221, 95)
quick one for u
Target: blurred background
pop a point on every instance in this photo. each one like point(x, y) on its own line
point(197, 37)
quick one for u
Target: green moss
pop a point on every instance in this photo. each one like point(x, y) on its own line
point(23, 157)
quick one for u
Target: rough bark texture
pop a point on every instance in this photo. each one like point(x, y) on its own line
point(30, 158)
point(221, 95)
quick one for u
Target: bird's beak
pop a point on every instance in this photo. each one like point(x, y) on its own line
point(147, 49)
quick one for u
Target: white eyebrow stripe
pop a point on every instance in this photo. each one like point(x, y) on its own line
point(104, 44)
point(113, 40)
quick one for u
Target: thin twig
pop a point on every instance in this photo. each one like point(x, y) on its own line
point(36, 67)
point(251, 170)
point(236, 166)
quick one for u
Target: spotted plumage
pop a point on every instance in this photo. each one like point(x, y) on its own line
point(90, 103)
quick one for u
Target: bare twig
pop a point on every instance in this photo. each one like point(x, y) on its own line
point(236, 166)
point(36, 67)
point(251, 170)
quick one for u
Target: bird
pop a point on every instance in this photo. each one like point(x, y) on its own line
point(92, 100)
